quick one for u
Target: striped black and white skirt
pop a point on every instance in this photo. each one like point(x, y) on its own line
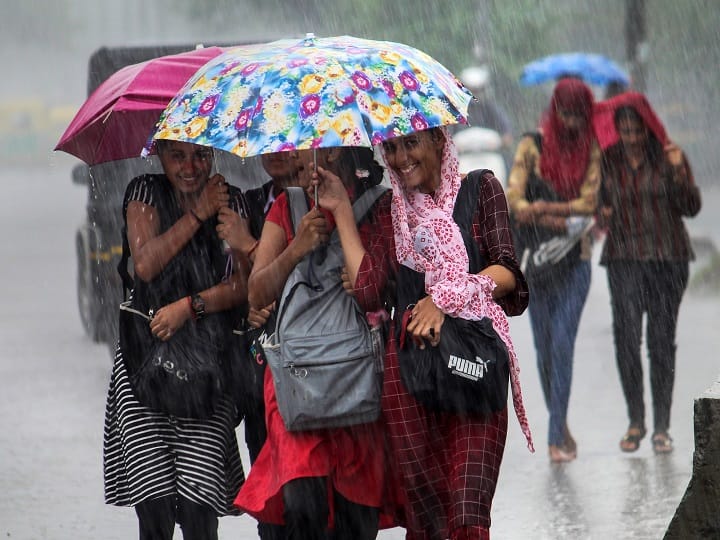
point(148, 455)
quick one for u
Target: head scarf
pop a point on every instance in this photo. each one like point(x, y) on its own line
point(428, 240)
point(418, 216)
point(604, 118)
point(566, 154)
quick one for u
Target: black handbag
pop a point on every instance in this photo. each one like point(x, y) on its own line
point(246, 366)
point(544, 254)
point(186, 375)
point(182, 376)
point(469, 371)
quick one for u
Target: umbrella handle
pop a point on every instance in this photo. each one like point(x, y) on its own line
point(226, 247)
point(315, 194)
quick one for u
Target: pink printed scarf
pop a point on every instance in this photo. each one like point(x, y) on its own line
point(428, 240)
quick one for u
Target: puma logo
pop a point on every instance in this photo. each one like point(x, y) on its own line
point(466, 368)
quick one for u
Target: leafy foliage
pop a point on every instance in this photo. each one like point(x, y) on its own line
point(682, 43)
point(509, 32)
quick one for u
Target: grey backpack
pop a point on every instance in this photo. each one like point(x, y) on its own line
point(325, 360)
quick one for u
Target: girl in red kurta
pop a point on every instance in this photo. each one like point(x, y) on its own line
point(324, 479)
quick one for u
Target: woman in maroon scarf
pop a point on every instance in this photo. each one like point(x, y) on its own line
point(552, 192)
point(647, 188)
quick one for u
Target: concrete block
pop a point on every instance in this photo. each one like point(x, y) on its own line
point(698, 514)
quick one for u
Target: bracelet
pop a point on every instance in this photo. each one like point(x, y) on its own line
point(193, 214)
point(192, 311)
point(253, 248)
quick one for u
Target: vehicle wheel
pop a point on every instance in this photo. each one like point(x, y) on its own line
point(87, 303)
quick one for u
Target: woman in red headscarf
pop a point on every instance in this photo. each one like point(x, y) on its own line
point(552, 194)
point(647, 188)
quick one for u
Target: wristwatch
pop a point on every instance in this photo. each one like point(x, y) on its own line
point(198, 306)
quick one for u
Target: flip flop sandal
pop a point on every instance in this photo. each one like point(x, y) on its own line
point(662, 443)
point(631, 440)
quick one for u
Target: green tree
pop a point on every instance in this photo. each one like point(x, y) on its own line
point(445, 33)
point(510, 31)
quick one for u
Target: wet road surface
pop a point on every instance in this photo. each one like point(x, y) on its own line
point(53, 382)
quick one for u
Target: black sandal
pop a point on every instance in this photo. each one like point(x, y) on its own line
point(662, 443)
point(631, 440)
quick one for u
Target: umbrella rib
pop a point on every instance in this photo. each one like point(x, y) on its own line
point(106, 116)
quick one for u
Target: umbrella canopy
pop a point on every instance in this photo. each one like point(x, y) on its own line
point(592, 68)
point(313, 92)
point(119, 116)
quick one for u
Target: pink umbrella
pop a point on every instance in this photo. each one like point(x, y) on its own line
point(119, 116)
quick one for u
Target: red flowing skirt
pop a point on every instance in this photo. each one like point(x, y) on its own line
point(352, 458)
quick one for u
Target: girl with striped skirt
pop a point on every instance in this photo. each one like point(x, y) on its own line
point(172, 469)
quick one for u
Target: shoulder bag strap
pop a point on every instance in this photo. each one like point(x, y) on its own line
point(122, 267)
point(467, 198)
point(298, 205)
point(466, 205)
point(256, 200)
point(537, 138)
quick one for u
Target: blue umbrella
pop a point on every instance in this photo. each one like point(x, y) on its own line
point(592, 68)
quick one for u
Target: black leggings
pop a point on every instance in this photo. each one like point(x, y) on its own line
point(306, 513)
point(157, 519)
point(654, 289)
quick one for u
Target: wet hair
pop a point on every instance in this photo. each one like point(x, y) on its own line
point(436, 133)
point(162, 144)
point(360, 164)
point(628, 112)
point(615, 88)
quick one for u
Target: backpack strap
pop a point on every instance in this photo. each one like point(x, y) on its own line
point(537, 138)
point(366, 201)
point(298, 205)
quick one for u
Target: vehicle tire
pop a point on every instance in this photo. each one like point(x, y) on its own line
point(87, 302)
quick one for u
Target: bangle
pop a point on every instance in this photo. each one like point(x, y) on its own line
point(197, 218)
point(253, 248)
point(192, 311)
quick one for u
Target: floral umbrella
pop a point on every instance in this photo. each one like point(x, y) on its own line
point(310, 93)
